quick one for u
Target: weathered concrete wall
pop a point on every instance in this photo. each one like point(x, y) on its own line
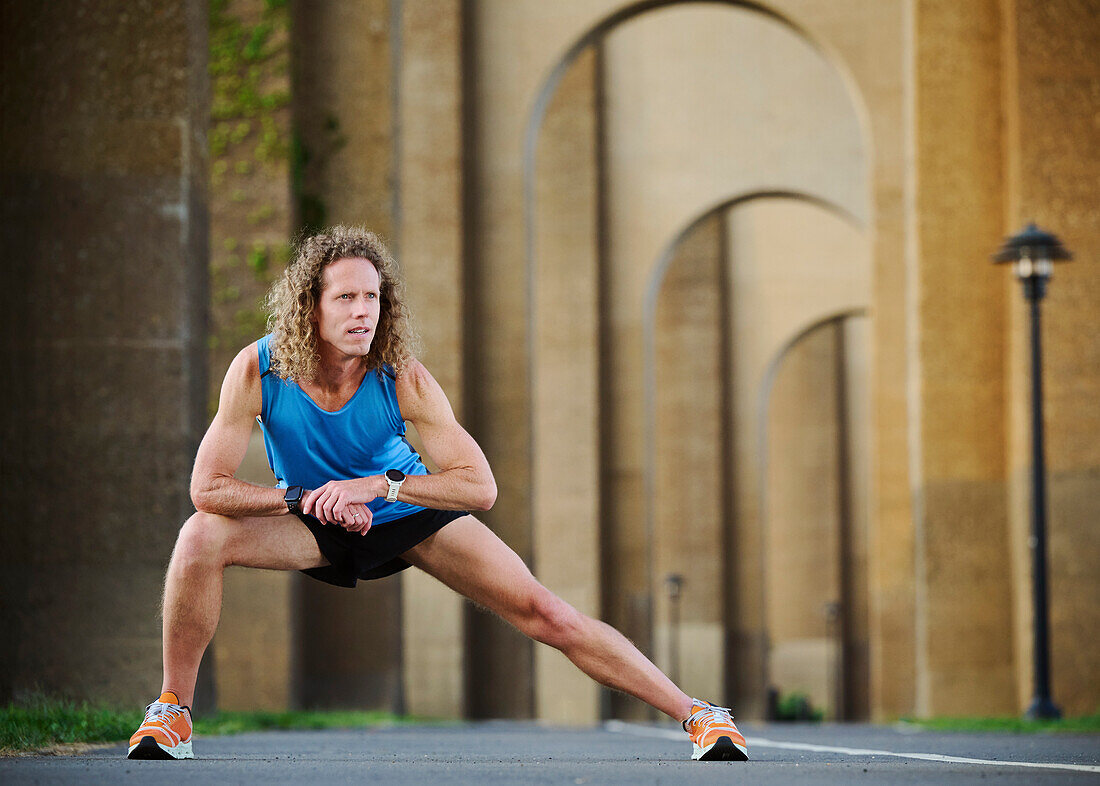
point(498, 406)
point(856, 596)
point(430, 167)
point(1052, 173)
point(964, 636)
point(782, 282)
point(677, 148)
point(802, 511)
point(342, 83)
point(901, 133)
point(347, 644)
point(250, 227)
point(254, 641)
point(566, 423)
point(691, 474)
point(104, 113)
point(815, 518)
point(936, 127)
point(872, 43)
point(649, 166)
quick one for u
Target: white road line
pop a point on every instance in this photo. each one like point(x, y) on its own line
point(760, 742)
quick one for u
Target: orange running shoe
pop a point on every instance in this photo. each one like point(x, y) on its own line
point(713, 735)
point(166, 731)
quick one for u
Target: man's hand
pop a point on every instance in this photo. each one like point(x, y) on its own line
point(344, 502)
point(357, 518)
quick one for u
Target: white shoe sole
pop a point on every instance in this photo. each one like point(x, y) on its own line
point(149, 748)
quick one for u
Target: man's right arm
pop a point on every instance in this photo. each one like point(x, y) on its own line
point(213, 487)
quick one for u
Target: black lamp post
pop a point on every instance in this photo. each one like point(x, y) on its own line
point(1033, 253)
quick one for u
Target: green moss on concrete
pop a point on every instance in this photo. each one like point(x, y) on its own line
point(250, 151)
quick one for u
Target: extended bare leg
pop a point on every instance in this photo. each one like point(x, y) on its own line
point(207, 544)
point(470, 559)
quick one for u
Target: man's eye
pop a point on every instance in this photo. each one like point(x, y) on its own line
point(345, 296)
point(372, 296)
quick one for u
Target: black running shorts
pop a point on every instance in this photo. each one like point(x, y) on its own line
point(377, 554)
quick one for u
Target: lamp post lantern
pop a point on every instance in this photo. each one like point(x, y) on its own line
point(1033, 253)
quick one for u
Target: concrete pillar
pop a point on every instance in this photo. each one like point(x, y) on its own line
point(250, 206)
point(690, 467)
point(103, 221)
point(342, 85)
point(1050, 103)
point(964, 626)
point(347, 644)
point(872, 42)
point(816, 525)
point(855, 520)
point(678, 148)
point(782, 282)
point(673, 153)
point(886, 85)
point(802, 524)
point(565, 418)
point(431, 237)
point(500, 666)
point(253, 645)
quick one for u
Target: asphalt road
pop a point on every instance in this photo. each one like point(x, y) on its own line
point(526, 753)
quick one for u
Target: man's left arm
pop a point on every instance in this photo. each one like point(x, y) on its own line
point(464, 480)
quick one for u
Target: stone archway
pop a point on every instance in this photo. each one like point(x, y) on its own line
point(571, 216)
point(728, 293)
point(814, 455)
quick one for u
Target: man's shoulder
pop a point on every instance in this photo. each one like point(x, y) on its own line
point(241, 396)
point(245, 367)
point(418, 392)
point(413, 377)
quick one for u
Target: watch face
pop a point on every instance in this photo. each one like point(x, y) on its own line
point(395, 475)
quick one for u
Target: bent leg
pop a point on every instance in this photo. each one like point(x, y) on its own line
point(207, 544)
point(470, 559)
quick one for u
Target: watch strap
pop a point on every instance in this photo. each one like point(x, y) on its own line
point(394, 487)
point(293, 498)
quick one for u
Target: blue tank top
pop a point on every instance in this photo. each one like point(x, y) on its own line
point(308, 446)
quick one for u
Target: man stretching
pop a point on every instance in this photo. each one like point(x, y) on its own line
point(333, 385)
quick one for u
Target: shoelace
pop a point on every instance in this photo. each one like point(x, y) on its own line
point(708, 713)
point(159, 709)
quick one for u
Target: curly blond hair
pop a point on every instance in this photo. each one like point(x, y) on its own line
point(293, 297)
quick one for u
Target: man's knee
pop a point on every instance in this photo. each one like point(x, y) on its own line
point(551, 620)
point(202, 541)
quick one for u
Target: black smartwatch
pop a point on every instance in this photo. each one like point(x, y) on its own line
point(293, 498)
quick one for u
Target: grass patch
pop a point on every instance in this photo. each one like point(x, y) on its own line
point(236, 722)
point(1084, 724)
point(39, 722)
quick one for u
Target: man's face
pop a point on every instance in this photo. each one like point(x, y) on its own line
point(347, 311)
